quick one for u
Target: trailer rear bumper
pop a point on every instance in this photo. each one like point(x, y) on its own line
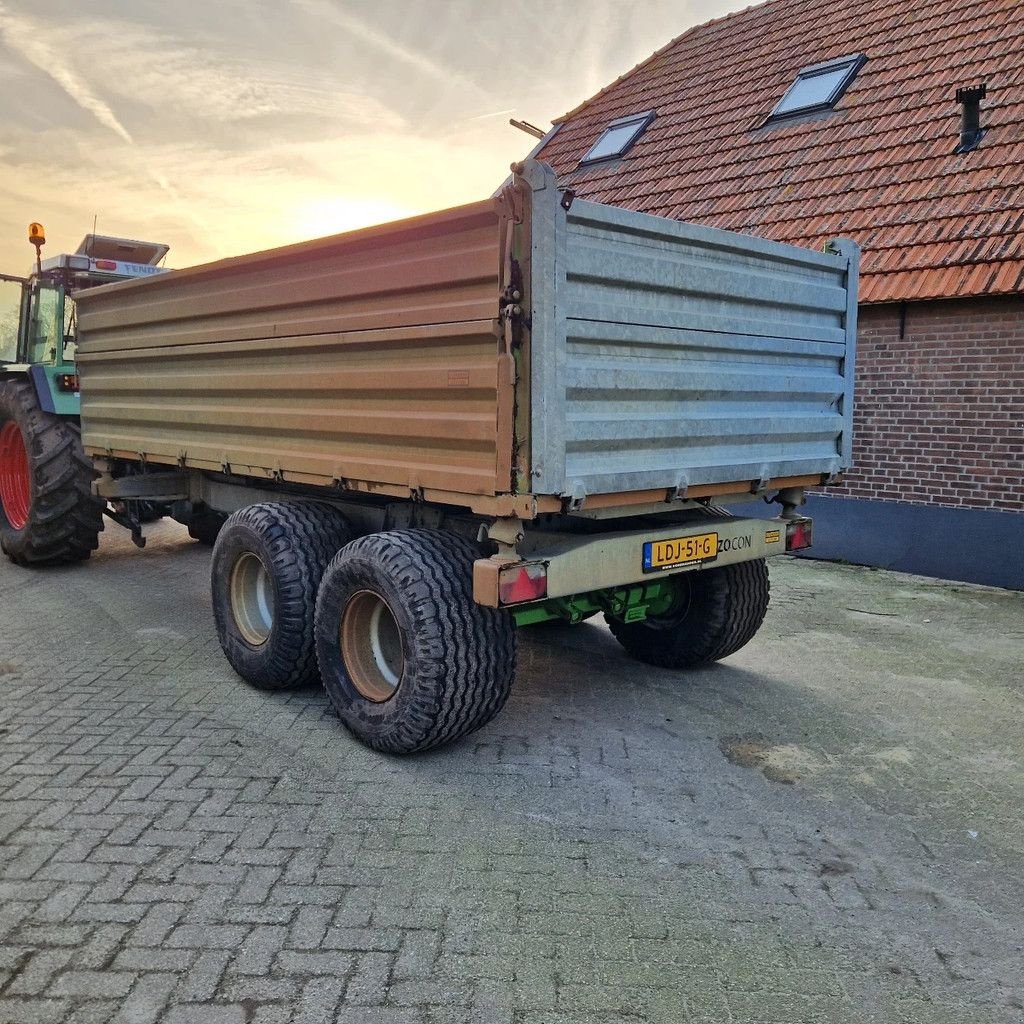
point(553, 565)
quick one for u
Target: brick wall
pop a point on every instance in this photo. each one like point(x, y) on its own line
point(939, 413)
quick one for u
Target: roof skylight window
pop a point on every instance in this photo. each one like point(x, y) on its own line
point(818, 87)
point(618, 137)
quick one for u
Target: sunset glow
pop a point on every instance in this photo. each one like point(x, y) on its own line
point(229, 127)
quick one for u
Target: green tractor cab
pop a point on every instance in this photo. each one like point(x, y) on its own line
point(48, 514)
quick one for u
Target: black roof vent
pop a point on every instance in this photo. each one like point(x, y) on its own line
point(971, 132)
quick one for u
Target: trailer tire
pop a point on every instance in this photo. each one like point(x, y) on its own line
point(408, 659)
point(205, 527)
point(48, 514)
point(146, 512)
point(714, 614)
point(265, 571)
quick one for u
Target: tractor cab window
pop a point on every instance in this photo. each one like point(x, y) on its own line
point(11, 293)
point(70, 329)
point(46, 323)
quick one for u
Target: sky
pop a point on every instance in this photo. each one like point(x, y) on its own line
point(222, 127)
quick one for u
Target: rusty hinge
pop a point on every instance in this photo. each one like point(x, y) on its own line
point(511, 199)
point(510, 312)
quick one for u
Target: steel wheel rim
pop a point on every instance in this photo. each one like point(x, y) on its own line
point(371, 646)
point(252, 599)
point(15, 476)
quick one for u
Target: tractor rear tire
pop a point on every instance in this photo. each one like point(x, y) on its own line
point(266, 568)
point(714, 613)
point(48, 514)
point(408, 659)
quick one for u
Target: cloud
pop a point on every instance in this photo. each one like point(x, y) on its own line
point(229, 202)
point(194, 90)
point(325, 12)
point(221, 81)
point(227, 127)
point(187, 81)
point(144, 67)
point(29, 40)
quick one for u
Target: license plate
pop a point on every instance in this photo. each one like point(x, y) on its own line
point(680, 551)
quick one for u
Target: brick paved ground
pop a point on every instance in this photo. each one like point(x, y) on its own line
point(825, 828)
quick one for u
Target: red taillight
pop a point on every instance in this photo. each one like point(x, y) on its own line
point(798, 534)
point(523, 582)
point(106, 265)
point(67, 381)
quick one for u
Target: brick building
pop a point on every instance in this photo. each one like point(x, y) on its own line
point(804, 120)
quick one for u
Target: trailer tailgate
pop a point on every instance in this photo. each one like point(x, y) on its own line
point(668, 355)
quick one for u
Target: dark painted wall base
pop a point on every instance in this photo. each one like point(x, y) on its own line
point(972, 545)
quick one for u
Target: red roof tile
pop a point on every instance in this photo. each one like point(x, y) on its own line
point(879, 168)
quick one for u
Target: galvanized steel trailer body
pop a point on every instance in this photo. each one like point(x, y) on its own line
point(559, 388)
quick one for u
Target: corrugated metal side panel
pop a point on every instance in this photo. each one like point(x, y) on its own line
point(679, 355)
point(371, 357)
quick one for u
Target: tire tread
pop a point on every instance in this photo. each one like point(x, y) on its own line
point(731, 602)
point(65, 519)
point(303, 537)
point(471, 663)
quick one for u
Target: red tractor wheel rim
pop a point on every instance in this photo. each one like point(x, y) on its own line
point(15, 478)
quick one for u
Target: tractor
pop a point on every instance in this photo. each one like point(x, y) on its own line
point(48, 512)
